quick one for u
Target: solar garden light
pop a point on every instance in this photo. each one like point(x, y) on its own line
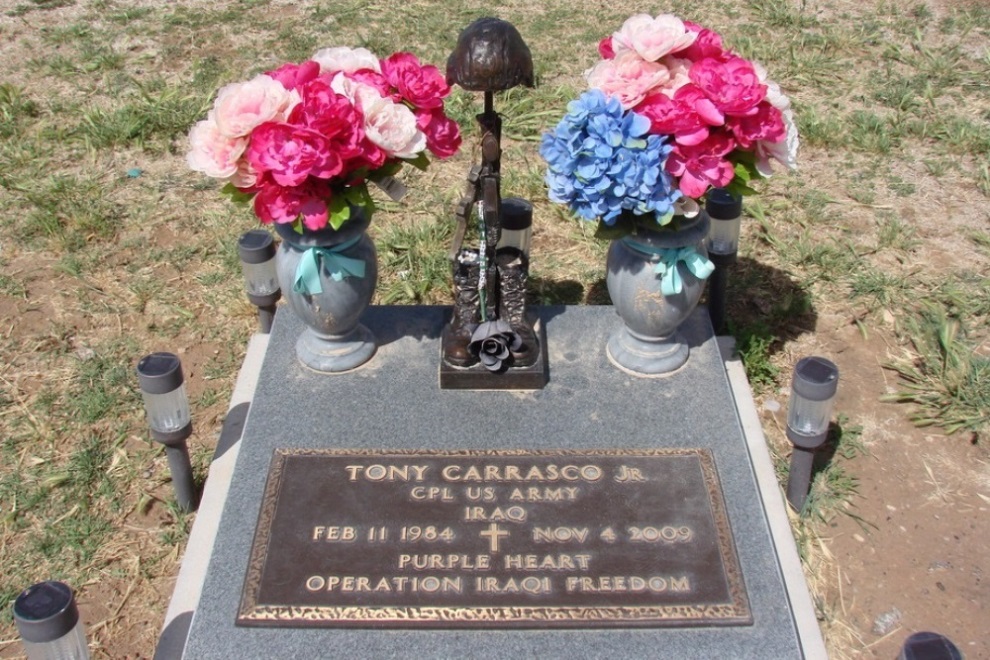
point(164, 392)
point(48, 622)
point(725, 210)
point(257, 253)
point(929, 646)
point(517, 225)
point(812, 393)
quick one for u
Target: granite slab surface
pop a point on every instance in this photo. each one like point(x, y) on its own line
point(394, 402)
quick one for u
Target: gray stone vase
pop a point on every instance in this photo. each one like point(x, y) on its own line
point(334, 340)
point(648, 342)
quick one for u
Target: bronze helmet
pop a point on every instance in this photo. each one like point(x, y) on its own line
point(490, 56)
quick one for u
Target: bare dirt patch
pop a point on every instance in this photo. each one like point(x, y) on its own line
point(910, 556)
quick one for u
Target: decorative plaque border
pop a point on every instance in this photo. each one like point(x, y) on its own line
point(733, 611)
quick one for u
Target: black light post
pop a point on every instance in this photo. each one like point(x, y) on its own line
point(164, 392)
point(813, 390)
point(725, 211)
point(257, 253)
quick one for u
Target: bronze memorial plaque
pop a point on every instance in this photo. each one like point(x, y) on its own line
point(493, 539)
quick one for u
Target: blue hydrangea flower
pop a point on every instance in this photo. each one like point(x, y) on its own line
point(602, 161)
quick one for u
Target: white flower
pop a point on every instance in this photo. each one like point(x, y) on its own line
point(652, 38)
point(358, 93)
point(784, 152)
point(392, 127)
point(348, 60)
point(774, 96)
point(213, 153)
point(245, 176)
point(242, 107)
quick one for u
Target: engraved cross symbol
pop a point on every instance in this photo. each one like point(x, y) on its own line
point(494, 535)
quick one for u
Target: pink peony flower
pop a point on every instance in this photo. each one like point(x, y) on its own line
point(292, 76)
point(370, 79)
point(332, 115)
point(733, 85)
point(652, 38)
point(240, 107)
point(348, 60)
point(696, 99)
point(422, 86)
point(766, 125)
point(291, 153)
point(675, 117)
point(628, 77)
point(702, 165)
point(443, 135)
point(213, 153)
point(605, 48)
point(707, 44)
point(281, 204)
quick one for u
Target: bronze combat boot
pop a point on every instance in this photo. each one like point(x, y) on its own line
point(513, 271)
point(467, 311)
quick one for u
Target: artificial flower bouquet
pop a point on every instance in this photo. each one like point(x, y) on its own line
point(302, 141)
point(670, 114)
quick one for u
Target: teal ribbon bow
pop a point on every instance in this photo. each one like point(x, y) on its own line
point(671, 282)
point(337, 266)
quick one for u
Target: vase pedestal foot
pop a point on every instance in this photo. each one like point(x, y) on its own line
point(647, 356)
point(330, 354)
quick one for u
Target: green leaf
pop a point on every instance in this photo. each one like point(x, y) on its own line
point(297, 225)
point(386, 170)
point(357, 195)
point(236, 195)
point(745, 172)
point(420, 162)
point(369, 208)
point(665, 219)
point(340, 211)
point(738, 187)
point(742, 172)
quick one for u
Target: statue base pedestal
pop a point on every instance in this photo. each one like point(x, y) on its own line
point(534, 377)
